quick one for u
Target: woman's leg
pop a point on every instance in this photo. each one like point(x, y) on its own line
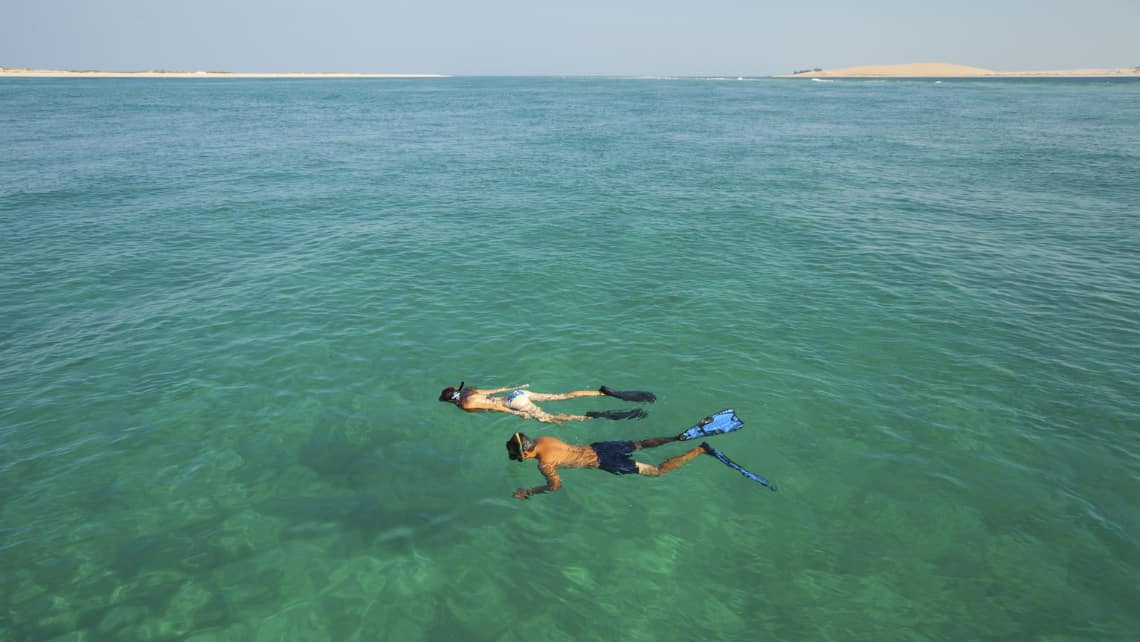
point(554, 396)
point(544, 416)
point(525, 403)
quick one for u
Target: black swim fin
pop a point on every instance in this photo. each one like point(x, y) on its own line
point(636, 413)
point(629, 395)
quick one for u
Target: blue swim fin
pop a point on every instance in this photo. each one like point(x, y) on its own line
point(718, 424)
point(737, 467)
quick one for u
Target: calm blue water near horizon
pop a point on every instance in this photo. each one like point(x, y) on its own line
point(227, 308)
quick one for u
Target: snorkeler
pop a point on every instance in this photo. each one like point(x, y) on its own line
point(614, 456)
point(521, 402)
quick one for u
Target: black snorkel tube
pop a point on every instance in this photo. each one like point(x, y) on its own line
point(518, 445)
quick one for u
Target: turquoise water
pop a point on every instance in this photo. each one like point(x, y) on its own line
point(227, 308)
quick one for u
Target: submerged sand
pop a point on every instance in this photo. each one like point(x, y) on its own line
point(159, 73)
point(945, 70)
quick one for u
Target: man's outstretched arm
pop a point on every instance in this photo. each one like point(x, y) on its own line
point(553, 483)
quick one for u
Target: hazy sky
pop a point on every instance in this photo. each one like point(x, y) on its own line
point(610, 37)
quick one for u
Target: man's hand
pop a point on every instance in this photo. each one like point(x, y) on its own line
point(521, 494)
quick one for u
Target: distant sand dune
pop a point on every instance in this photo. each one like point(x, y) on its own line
point(945, 70)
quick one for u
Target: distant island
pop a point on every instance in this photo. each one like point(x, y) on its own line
point(162, 73)
point(944, 70)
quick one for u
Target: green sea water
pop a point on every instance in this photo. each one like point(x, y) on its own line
point(227, 308)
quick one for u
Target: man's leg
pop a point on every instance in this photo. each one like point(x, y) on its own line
point(653, 443)
point(672, 463)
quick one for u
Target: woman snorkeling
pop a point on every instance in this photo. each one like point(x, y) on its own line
point(522, 402)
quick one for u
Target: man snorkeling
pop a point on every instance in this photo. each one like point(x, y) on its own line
point(520, 401)
point(614, 456)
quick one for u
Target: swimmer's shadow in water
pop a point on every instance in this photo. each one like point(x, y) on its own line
point(341, 460)
point(365, 518)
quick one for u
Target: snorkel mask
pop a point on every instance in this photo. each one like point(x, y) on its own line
point(452, 395)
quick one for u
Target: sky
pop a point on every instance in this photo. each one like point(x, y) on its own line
point(579, 37)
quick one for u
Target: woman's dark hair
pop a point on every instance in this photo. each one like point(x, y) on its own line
point(451, 394)
point(517, 445)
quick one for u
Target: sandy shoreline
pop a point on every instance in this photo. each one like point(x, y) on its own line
point(158, 73)
point(944, 70)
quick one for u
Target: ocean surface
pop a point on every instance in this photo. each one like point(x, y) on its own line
point(227, 309)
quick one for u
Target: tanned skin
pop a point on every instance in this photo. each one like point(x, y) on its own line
point(476, 400)
point(553, 454)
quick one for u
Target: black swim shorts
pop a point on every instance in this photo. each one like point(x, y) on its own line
point(613, 457)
